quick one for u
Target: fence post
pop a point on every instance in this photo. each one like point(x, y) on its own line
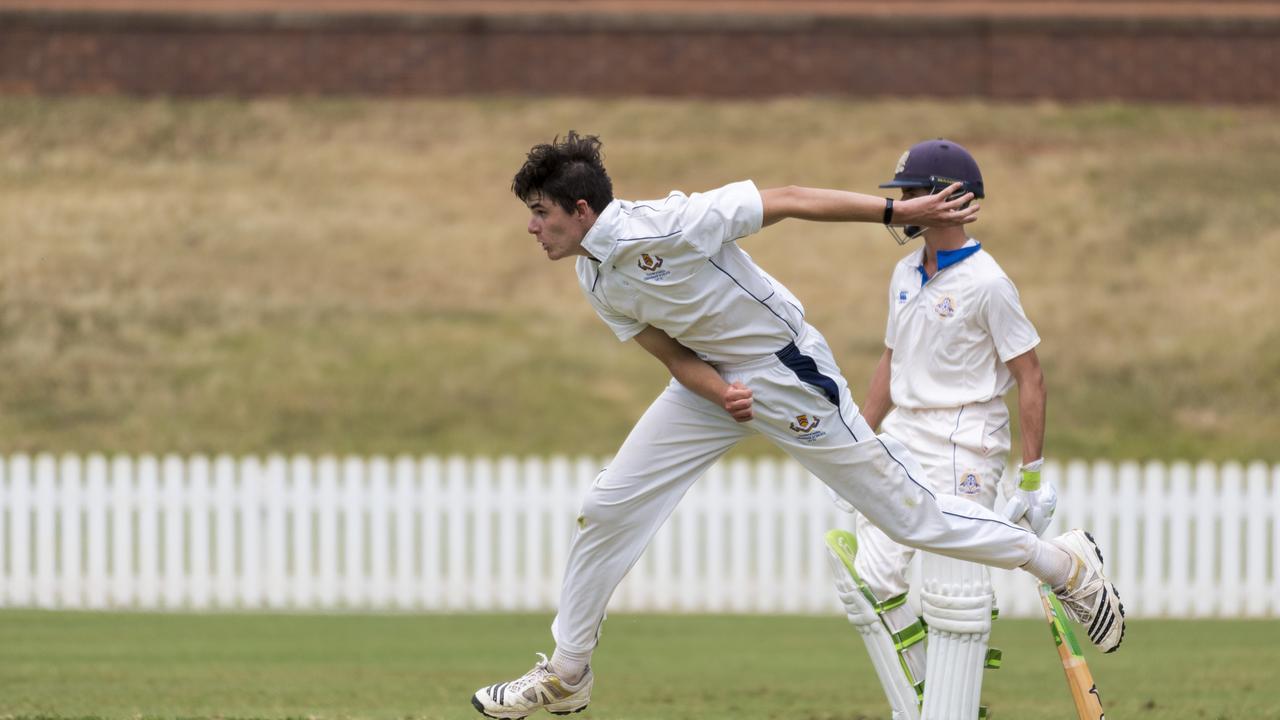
point(199, 502)
point(379, 533)
point(302, 508)
point(429, 504)
point(71, 501)
point(1206, 521)
point(352, 511)
point(1231, 534)
point(46, 540)
point(1152, 596)
point(96, 539)
point(225, 507)
point(404, 503)
point(173, 501)
point(275, 541)
point(327, 556)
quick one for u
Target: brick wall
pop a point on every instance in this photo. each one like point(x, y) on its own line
point(1076, 56)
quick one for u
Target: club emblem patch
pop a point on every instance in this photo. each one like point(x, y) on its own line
point(649, 263)
point(946, 307)
point(806, 428)
point(971, 483)
point(902, 162)
point(652, 267)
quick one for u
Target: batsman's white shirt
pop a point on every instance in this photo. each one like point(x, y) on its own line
point(674, 264)
point(951, 335)
point(958, 329)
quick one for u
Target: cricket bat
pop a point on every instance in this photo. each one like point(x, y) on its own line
point(1083, 690)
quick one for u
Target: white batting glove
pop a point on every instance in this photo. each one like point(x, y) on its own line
point(839, 501)
point(1033, 501)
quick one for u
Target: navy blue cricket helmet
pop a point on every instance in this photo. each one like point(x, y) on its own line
point(935, 164)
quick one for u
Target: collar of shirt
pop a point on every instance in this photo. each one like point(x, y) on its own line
point(947, 258)
point(601, 239)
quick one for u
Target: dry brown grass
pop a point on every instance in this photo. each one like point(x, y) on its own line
point(353, 276)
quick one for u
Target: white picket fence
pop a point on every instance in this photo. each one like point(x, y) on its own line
point(476, 534)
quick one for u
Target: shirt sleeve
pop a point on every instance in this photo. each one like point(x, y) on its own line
point(621, 325)
point(713, 218)
point(1011, 331)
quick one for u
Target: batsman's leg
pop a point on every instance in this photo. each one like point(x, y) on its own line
point(958, 605)
point(896, 652)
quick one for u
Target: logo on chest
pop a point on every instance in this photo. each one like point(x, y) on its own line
point(651, 265)
point(970, 483)
point(946, 307)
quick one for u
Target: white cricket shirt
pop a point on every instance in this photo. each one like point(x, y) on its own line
point(952, 334)
point(675, 264)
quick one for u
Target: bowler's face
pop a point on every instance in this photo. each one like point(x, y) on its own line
point(558, 232)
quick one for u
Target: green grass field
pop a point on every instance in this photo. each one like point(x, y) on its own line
point(342, 275)
point(63, 665)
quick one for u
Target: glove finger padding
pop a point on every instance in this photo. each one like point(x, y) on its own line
point(1015, 508)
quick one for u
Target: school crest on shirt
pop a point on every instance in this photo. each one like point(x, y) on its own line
point(806, 428)
point(946, 307)
point(970, 482)
point(652, 266)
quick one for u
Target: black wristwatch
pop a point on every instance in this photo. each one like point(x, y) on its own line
point(888, 210)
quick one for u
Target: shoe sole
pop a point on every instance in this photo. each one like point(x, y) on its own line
point(479, 706)
point(1109, 587)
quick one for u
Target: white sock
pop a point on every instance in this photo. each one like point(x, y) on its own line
point(1051, 564)
point(570, 666)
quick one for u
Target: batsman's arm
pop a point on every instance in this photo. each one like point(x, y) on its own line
point(821, 204)
point(878, 402)
point(1032, 395)
point(694, 373)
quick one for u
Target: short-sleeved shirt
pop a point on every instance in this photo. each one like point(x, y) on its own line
point(675, 264)
point(951, 334)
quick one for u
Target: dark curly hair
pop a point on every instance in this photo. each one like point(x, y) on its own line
point(566, 171)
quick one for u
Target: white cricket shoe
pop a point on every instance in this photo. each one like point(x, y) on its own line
point(536, 689)
point(1088, 597)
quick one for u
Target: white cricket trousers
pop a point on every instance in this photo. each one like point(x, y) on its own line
point(802, 404)
point(963, 451)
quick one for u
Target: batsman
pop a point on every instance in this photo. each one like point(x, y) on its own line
point(956, 340)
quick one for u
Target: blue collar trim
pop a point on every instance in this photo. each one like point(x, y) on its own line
point(947, 258)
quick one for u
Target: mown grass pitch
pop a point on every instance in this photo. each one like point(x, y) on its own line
point(116, 665)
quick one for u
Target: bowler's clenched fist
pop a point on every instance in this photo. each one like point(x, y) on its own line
point(737, 401)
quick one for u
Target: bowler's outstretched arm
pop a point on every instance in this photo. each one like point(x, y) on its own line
point(843, 206)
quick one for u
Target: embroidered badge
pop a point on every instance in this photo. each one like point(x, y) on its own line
point(652, 267)
point(971, 483)
point(649, 263)
point(806, 428)
point(946, 307)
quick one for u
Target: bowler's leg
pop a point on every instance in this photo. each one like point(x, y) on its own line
point(673, 444)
